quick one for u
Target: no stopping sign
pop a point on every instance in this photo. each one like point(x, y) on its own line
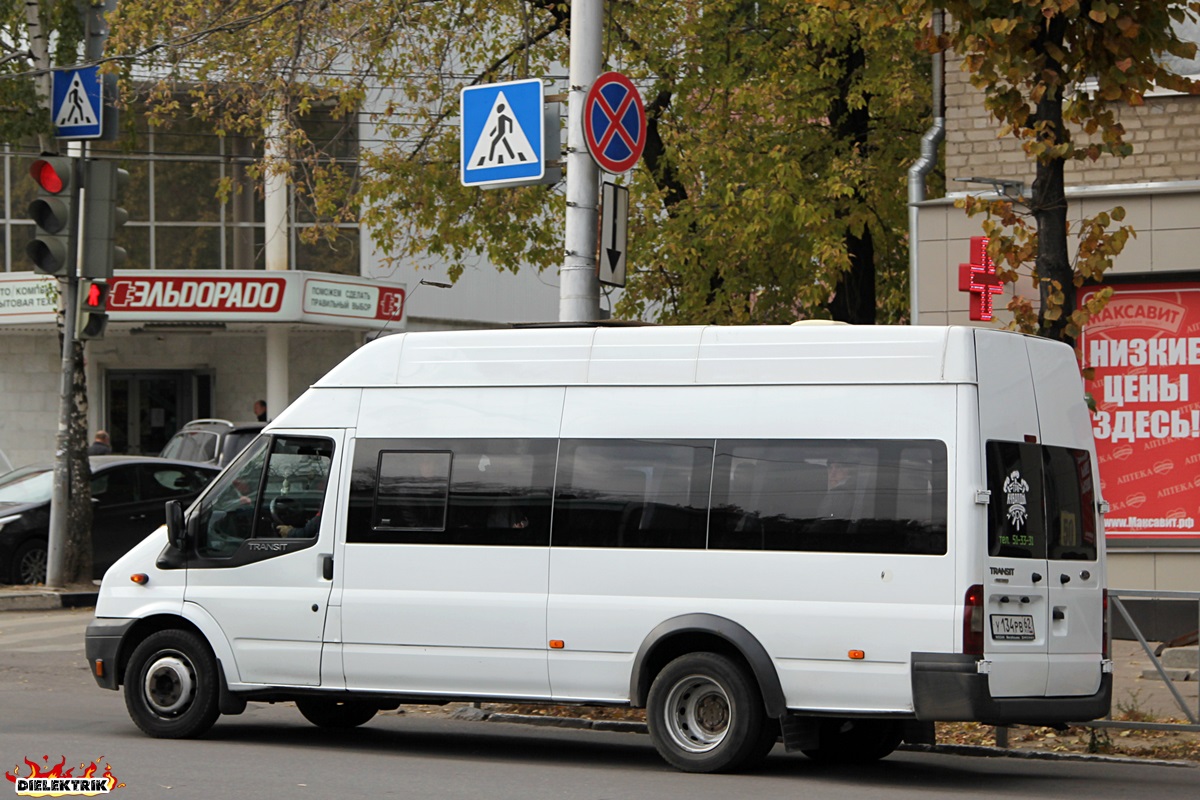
point(614, 123)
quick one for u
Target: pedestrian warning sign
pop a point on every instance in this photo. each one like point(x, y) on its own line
point(77, 105)
point(503, 141)
point(502, 133)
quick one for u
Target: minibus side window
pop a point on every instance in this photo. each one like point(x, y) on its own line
point(227, 512)
point(1016, 516)
point(500, 492)
point(855, 496)
point(412, 491)
point(632, 493)
point(452, 491)
point(1070, 504)
point(293, 491)
point(275, 489)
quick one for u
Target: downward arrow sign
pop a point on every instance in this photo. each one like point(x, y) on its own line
point(615, 204)
point(614, 255)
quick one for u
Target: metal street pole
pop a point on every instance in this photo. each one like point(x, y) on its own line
point(60, 494)
point(275, 218)
point(579, 288)
point(95, 36)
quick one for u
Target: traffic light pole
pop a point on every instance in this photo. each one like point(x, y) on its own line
point(60, 497)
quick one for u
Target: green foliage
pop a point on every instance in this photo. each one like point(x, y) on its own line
point(780, 132)
point(1052, 70)
point(785, 131)
point(22, 114)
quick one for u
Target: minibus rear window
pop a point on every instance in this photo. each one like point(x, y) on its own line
point(1070, 504)
point(1016, 511)
point(1043, 502)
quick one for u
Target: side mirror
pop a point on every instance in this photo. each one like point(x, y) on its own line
point(176, 533)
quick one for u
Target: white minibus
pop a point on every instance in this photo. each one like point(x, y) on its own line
point(832, 536)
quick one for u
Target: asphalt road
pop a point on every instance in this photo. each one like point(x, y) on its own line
point(50, 706)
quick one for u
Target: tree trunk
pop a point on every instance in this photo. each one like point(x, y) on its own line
point(77, 546)
point(853, 298)
point(1049, 201)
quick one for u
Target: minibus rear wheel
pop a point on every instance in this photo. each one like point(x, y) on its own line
point(706, 714)
point(171, 686)
point(330, 712)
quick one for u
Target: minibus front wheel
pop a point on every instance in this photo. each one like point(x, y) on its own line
point(171, 687)
point(705, 714)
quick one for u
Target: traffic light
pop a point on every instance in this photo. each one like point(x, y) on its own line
point(103, 183)
point(90, 317)
point(53, 211)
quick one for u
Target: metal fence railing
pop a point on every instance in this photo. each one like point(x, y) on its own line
point(1115, 598)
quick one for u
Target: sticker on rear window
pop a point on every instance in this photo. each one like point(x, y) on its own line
point(1016, 490)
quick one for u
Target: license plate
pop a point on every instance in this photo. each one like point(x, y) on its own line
point(1012, 626)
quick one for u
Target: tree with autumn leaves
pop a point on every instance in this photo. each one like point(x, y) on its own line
point(772, 186)
point(1054, 75)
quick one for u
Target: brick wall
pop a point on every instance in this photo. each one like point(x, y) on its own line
point(1163, 132)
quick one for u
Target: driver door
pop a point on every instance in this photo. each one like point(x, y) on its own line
point(260, 540)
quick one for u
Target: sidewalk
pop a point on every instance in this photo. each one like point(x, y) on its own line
point(1139, 692)
point(39, 598)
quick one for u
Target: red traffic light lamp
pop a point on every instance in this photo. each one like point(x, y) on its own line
point(91, 317)
point(46, 173)
point(53, 212)
point(95, 296)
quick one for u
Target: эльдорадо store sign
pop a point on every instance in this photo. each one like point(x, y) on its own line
point(218, 296)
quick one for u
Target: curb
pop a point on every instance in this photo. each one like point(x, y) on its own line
point(982, 751)
point(977, 751)
point(570, 722)
point(45, 600)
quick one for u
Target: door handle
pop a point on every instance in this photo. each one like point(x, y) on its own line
point(1059, 614)
point(1064, 578)
point(327, 567)
point(1036, 577)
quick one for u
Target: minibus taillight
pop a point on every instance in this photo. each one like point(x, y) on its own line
point(973, 621)
point(1104, 629)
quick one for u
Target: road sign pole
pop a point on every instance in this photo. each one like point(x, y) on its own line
point(60, 497)
point(579, 292)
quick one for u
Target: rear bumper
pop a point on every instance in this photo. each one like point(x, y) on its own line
point(948, 687)
point(102, 643)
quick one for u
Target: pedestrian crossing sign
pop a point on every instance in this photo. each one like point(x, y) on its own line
point(503, 140)
point(77, 105)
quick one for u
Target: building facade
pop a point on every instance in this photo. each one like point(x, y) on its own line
point(1150, 473)
point(168, 356)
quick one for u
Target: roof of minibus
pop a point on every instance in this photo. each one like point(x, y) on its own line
point(668, 355)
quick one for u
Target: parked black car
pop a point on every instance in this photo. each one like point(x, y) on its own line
point(128, 496)
point(211, 441)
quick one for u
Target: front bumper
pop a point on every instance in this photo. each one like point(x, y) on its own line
point(102, 644)
point(948, 687)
